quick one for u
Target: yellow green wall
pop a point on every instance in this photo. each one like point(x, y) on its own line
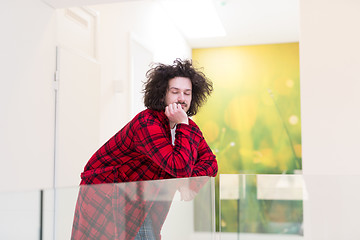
point(249, 130)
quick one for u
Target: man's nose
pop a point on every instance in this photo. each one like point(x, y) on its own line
point(181, 97)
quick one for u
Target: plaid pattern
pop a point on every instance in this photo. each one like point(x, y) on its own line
point(142, 150)
point(117, 211)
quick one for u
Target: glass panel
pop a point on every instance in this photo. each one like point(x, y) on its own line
point(268, 207)
point(261, 206)
point(289, 207)
point(20, 215)
point(170, 208)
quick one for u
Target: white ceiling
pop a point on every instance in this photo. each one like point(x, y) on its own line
point(246, 22)
point(249, 22)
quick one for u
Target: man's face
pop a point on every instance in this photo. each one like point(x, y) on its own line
point(179, 91)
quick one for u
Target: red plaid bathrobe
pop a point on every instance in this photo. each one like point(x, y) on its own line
point(142, 150)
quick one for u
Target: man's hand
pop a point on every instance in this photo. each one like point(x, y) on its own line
point(176, 114)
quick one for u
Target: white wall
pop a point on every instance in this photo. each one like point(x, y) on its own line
point(148, 24)
point(330, 85)
point(330, 105)
point(27, 58)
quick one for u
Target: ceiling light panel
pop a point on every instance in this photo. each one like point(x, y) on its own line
point(195, 18)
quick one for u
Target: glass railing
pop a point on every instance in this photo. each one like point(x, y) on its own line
point(251, 207)
point(175, 209)
point(20, 215)
point(289, 207)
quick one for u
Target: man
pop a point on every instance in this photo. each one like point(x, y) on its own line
point(161, 142)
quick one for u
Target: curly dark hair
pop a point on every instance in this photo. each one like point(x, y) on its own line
point(158, 76)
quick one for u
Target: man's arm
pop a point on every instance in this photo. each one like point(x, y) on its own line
point(206, 164)
point(152, 140)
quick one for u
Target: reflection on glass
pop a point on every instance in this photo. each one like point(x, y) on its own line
point(259, 204)
point(261, 207)
point(121, 210)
